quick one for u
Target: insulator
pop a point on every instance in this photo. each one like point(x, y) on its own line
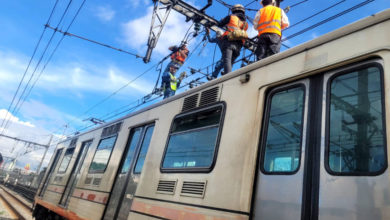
point(197, 27)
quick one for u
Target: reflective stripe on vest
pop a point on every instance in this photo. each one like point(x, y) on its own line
point(234, 24)
point(270, 20)
point(173, 82)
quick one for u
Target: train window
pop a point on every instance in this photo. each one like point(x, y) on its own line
point(283, 131)
point(65, 160)
point(193, 140)
point(131, 149)
point(102, 155)
point(356, 140)
point(143, 150)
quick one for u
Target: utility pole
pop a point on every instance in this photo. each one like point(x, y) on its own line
point(44, 154)
point(35, 180)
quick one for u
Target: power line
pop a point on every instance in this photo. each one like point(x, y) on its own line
point(110, 95)
point(148, 70)
point(28, 66)
point(14, 111)
point(328, 19)
point(138, 102)
point(93, 41)
point(22, 140)
point(51, 55)
point(298, 3)
point(311, 16)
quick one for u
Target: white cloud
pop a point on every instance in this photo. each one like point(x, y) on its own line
point(136, 32)
point(75, 77)
point(29, 131)
point(136, 3)
point(105, 13)
point(4, 114)
point(251, 31)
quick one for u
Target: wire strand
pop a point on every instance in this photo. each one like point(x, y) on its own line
point(28, 66)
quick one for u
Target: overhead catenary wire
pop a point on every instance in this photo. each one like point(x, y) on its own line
point(250, 3)
point(328, 19)
point(315, 14)
point(17, 107)
point(59, 42)
point(28, 65)
point(93, 41)
point(298, 3)
point(51, 55)
point(293, 5)
point(139, 102)
point(185, 39)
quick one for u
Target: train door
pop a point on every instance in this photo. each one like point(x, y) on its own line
point(127, 178)
point(51, 170)
point(75, 173)
point(323, 148)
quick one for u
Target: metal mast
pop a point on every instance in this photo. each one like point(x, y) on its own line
point(161, 11)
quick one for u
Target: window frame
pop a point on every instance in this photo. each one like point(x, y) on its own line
point(129, 139)
point(139, 147)
point(109, 158)
point(364, 65)
point(221, 104)
point(62, 159)
point(263, 137)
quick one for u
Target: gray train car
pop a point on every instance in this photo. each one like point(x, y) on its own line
point(298, 135)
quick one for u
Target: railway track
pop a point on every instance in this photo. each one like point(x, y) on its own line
point(13, 206)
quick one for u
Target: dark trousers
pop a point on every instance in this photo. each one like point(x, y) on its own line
point(268, 44)
point(217, 69)
point(230, 52)
point(168, 92)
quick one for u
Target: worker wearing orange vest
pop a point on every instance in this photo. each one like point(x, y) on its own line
point(234, 37)
point(269, 22)
point(178, 57)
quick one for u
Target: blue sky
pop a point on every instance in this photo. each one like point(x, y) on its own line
point(82, 74)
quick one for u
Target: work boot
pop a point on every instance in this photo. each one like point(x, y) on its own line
point(209, 77)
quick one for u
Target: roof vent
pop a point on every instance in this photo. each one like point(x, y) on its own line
point(58, 179)
point(88, 180)
point(111, 130)
point(97, 181)
point(193, 189)
point(209, 96)
point(166, 186)
point(190, 102)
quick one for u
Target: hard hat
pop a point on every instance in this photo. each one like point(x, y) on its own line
point(219, 32)
point(268, 2)
point(238, 7)
point(174, 66)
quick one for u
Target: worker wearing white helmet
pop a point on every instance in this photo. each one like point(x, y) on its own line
point(269, 22)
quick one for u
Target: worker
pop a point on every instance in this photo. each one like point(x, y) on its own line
point(219, 65)
point(169, 81)
point(178, 57)
point(234, 37)
point(269, 22)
